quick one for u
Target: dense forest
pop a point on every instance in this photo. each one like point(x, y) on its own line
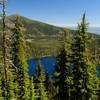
point(77, 54)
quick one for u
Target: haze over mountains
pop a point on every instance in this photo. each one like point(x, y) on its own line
point(95, 30)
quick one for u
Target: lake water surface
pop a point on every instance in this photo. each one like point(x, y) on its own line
point(48, 64)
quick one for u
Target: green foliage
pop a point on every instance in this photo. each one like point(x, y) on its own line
point(1, 81)
point(50, 88)
point(20, 62)
point(43, 47)
point(32, 97)
point(40, 90)
point(63, 76)
point(83, 70)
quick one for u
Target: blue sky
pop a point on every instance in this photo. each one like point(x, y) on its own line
point(57, 12)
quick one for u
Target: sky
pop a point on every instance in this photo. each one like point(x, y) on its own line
point(57, 12)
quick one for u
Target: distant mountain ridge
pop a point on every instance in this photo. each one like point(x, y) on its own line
point(36, 29)
point(40, 29)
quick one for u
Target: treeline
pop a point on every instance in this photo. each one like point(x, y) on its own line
point(75, 76)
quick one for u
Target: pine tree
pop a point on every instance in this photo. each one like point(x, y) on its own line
point(62, 76)
point(7, 84)
point(94, 53)
point(1, 80)
point(84, 72)
point(32, 96)
point(98, 91)
point(95, 59)
point(20, 62)
point(50, 88)
point(98, 64)
point(40, 90)
point(1, 75)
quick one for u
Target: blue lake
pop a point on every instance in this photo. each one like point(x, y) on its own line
point(48, 64)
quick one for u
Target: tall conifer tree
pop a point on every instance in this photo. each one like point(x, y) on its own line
point(20, 62)
point(50, 88)
point(1, 80)
point(32, 93)
point(84, 71)
point(62, 76)
point(7, 84)
point(40, 90)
